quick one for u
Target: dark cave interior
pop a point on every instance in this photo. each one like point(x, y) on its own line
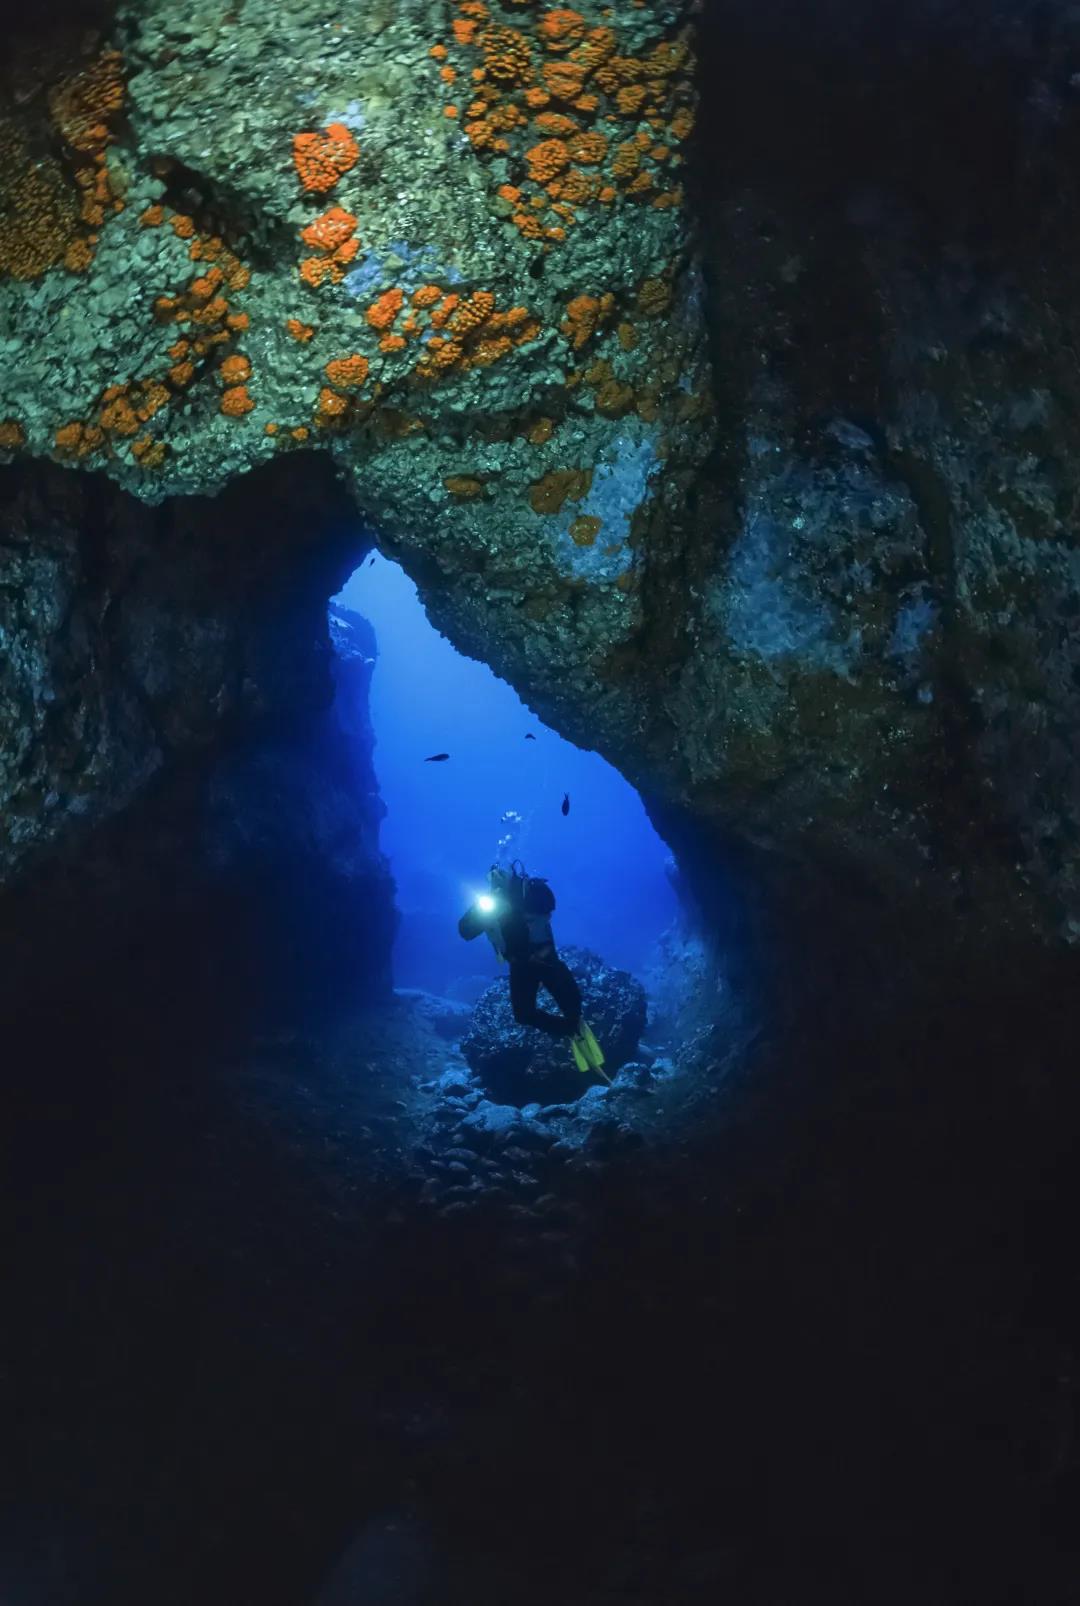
point(296, 1314)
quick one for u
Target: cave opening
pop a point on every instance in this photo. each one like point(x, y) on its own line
point(468, 778)
point(497, 797)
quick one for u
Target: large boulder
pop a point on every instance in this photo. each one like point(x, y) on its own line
point(522, 1065)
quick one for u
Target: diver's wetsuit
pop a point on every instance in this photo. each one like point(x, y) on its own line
point(527, 976)
point(529, 947)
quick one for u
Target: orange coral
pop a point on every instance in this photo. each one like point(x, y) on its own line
point(682, 124)
point(118, 417)
point(332, 235)
point(149, 398)
point(427, 295)
point(330, 406)
point(78, 256)
point(82, 104)
point(588, 147)
point(40, 213)
point(584, 315)
point(79, 439)
point(546, 160)
point(203, 287)
point(667, 199)
point(148, 452)
point(299, 331)
point(381, 313)
point(565, 80)
point(630, 99)
point(559, 485)
point(322, 159)
point(507, 55)
point(654, 297)
point(329, 231)
point(12, 434)
point(475, 310)
point(210, 312)
point(585, 529)
point(529, 226)
point(557, 124)
point(479, 335)
point(181, 374)
point(313, 270)
point(39, 217)
point(390, 343)
point(561, 27)
point(236, 401)
point(441, 316)
point(153, 217)
point(347, 372)
point(613, 398)
point(235, 369)
point(578, 188)
point(626, 161)
point(480, 133)
point(599, 46)
point(464, 486)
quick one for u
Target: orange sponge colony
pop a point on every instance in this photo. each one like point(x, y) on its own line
point(381, 313)
point(347, 372)
point(551, 94)
point(322, 159)
point(235, 402)
point(333, 238)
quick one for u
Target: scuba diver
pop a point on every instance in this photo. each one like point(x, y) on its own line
point(515, 915)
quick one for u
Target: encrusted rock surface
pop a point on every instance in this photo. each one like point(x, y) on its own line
point(448, 246)
point(133, 637)
point(187, 758)
point(521, 1065)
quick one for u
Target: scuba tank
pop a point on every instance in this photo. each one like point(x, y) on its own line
point(528, 902)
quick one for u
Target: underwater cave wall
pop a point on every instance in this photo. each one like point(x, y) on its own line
point(173, 782)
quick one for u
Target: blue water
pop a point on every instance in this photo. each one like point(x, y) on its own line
point(606, 864)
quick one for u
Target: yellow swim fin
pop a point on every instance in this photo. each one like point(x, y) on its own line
point(592, 1048)
point(588, 1055)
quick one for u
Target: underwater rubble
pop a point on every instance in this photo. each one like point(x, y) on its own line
point(519, 1065)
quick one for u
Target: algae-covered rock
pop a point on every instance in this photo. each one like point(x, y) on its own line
point(520, 1065)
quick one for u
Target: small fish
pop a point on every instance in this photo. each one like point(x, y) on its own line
point(529, 737)
point(437, 758)
point(373, 560)
point(566, 803)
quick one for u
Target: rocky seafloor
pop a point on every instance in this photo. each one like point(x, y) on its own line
point(335, 1323)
